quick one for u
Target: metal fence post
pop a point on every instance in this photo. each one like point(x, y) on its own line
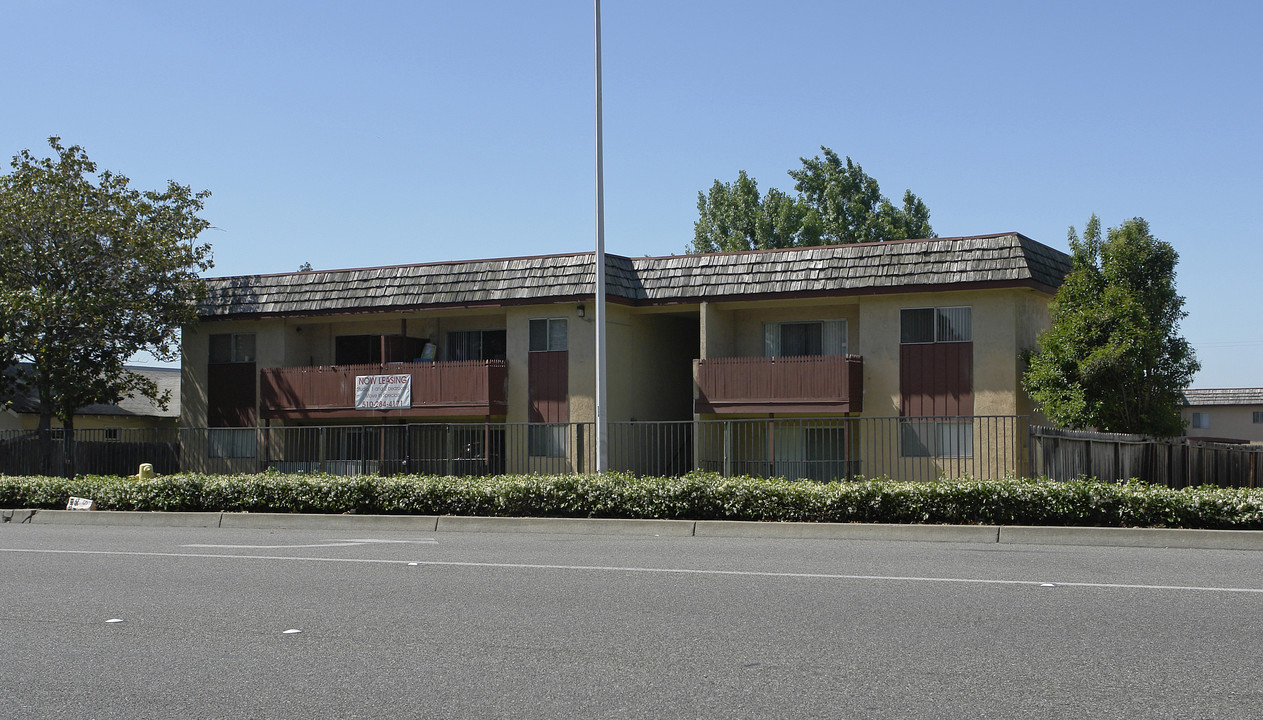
point(450, 453)
point(728, 448)
point(320, 454)
point(771, 448)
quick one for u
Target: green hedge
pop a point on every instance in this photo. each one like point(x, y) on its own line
point(697, 496)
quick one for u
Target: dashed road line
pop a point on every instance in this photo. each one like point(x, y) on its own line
point(333, 543)
point(675, 571)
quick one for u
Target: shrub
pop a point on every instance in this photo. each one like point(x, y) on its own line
point(696, 496)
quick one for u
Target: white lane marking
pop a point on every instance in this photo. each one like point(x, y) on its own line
point(129, 553)
point(335, 543)
point(375, 541)
point(830, 576)
point(665, 571)
point(273, 547)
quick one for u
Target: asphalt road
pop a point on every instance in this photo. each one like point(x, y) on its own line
point(473, 625)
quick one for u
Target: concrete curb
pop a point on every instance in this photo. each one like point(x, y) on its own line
point(849, 531)
point(1133, 537)
point(566, 526)
point(295, 521)
point(126, 518)
point(981, 534)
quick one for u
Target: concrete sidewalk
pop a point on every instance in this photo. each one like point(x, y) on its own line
point(1013, 535)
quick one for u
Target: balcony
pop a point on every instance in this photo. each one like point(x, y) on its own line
point(826, 384)
point(438, 389)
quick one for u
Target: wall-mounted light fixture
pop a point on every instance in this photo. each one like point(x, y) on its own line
point(581, 310)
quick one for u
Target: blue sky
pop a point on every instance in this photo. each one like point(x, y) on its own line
point(359, 134)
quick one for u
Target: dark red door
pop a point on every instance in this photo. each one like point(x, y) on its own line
point(230, 394)
point(549, 387)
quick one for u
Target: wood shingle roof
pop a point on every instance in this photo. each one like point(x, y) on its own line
point(1007, 259)
point(167, 380)
point(1223, 396)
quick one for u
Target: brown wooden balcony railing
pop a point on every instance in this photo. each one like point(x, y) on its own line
point(471, 387)
point(782, 384)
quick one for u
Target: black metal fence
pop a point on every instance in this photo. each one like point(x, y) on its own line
point(108, 451)
point(812, 449)
point(850, 448)
point(1176, 462)
point(815, 449)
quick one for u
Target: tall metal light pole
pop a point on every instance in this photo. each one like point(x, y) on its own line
point(602, 447)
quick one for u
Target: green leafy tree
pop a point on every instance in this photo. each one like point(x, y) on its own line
point(836, 203)
point(9, 380)
point(1113, 358)
point(846, 204)
point(92, 272)
point(733, 217)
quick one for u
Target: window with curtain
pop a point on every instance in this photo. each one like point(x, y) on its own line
point(794, 339)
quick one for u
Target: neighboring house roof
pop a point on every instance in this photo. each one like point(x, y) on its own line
point(136, 406)
point(1224, 396)
point(1006, 259)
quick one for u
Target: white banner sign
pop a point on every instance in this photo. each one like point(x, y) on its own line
point(383, 392)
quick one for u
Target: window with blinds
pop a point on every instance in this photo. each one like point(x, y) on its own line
point(476, 345)
point(919, 326)
point(548, 334)
point(232, 348)
point(795, 339)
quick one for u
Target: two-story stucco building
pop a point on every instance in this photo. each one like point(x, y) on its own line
point(1224, 414)
point(928, 332)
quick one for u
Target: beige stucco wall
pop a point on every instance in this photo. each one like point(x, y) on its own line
point(716, 331)
point(651, 352)
point(311, 341)
point(579, 345)
point(748, 322)
point(1227, 422)
point(650, 361)
point(1004, 321)
point(10, 420)
point(1032, 319)
point(736, 329)
point(195, 353)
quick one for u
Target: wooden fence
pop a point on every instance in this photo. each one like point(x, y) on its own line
point(1175, 462)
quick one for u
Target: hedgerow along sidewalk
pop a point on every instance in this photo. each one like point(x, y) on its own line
point(693, 497)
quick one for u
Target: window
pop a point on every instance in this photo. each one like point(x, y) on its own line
point(548, 334)
point(475, 345)
point(232, 348)
point(1258, 417)
point(937, 438)
point(378, 349)
point(230, 443)
point(547, 440)
point(789, 339)
point(935, 325)
point(1201, 421)
point(357, 350)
